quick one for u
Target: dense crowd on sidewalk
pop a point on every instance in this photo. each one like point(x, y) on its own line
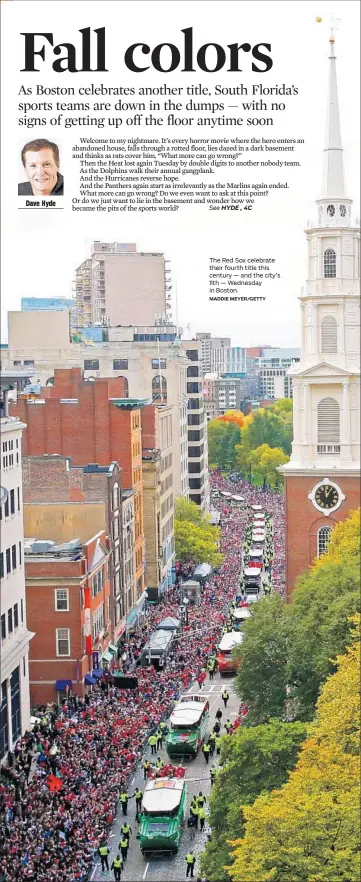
point(59, 791)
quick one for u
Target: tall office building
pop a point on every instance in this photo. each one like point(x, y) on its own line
point(214, 353)
point(118, 285)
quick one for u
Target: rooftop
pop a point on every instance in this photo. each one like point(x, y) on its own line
point(47, 549)
point(129, 403)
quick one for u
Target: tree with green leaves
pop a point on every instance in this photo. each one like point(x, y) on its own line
point(308, 830)
point(253, 760)
point(196, 541)
point(224, 434)
point(269, 427)
point(262, 676)
point(289, 648)
point(264, 462)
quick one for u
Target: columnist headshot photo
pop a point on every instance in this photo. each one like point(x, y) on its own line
point(41, 162)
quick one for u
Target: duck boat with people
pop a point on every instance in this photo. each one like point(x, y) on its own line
point(162, 812)
point(227, 664)
point(188, 726)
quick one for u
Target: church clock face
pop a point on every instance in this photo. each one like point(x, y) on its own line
point(326, 496)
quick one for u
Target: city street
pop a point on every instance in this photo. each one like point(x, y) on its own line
point(160, 867)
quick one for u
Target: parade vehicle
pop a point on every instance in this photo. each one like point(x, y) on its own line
point(188, 726)
point(226, 494)
point(257, 508)
point(162, 811)
point(227, 664)
point(202, 573)
point(255, 555)
point(258, 538)
point(156, 650)
point(190, 591)
point(239, 617)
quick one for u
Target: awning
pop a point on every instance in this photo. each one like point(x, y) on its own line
point(98, 674)
point(60, 685)
point(132, 617)
point(89, 680)
point(107, 656)
point(112, 648)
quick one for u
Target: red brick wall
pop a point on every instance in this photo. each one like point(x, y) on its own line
point(149, 415)
point(303, 520)
point(43, 620)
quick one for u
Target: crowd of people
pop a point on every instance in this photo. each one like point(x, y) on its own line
point(59, 790)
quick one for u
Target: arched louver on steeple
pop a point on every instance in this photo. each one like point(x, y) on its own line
point(328, 426)
point(329, 334)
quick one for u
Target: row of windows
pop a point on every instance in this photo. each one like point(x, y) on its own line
point(166, 462)
point(97, 582)
point(195, 434)
point(167, 506)
point(166, 484)
point(136, 448)
point(167, 529)
point(98, 622)
point(119, 364)
point(137, 474)
point(10, 459)
point(138, 558)
point(11, 505)
point(135, 421)
point(166, 436)
point(10, 560)
point(10, 622)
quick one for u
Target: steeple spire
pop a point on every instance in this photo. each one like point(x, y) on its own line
point(333, 186)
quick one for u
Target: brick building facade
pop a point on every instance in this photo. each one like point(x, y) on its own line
point(68, 592)
point(91, 422)
point(74, 501)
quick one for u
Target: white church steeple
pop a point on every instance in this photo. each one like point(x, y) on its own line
point(326, 379)
point(333, 206)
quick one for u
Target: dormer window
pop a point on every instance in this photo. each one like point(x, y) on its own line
point(343, 210)
point(330, 210)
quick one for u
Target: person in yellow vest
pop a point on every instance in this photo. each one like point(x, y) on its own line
point(213, 773)
point(228, 726)
point(124, 796)
point(138, 799)
point(194, 811)
point(159, 764)
point(152, 741)
point(126, 830)
point(202, 818)
point(159, 737)
point(218, 744)
point(124, 845)
point(201, 799)
point(225, 697)
point(103, 852)
point(146, 767)
point(117, 867)
point(190, 862)
point(206, 751)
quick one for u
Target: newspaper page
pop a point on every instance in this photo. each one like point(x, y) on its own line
point(180, 439)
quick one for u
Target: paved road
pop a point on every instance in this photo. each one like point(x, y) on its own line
point(161, 867)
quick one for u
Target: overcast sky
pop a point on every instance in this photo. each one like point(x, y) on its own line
point(40, 253)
